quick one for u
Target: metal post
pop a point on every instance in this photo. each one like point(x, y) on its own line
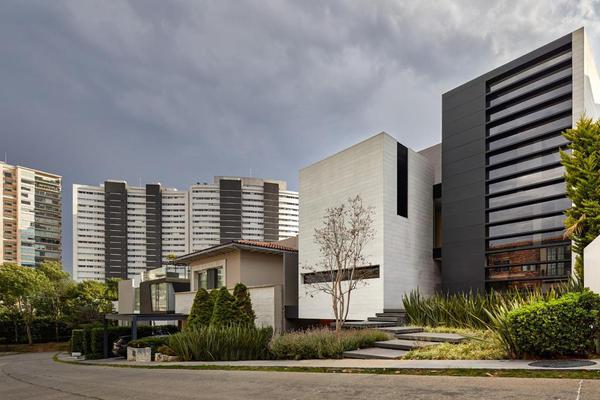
point(105, 344)
point(134, 327)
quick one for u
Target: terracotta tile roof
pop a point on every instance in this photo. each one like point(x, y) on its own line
point(268, 245)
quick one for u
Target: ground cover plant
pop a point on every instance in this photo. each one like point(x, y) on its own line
point(323, 343)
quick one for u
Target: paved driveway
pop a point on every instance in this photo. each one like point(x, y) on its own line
point(36, 376)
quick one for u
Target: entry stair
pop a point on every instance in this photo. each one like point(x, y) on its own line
point(406, 339)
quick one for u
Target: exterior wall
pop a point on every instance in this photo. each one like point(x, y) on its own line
point(230, 263)
point(126, 302)
point(586, 82)
point(266, 302)
point(357, 170)
point(88, 233)
point(591, 267)
point(261, 269)
point(30, 216)
point(408, 242)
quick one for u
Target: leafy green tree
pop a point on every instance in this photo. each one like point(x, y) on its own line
point(224, 311)
point(243, 304)
point(23, 291)
point(59, 294)
point(91, 302)
point(202, 309)
point(112, 289)
point(582, 175)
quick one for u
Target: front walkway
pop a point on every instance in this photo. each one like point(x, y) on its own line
point(353, 363)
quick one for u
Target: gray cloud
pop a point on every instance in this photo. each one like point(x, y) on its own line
point(180, 91)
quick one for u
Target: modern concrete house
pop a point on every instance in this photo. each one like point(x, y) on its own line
point(399, 184)
point(269, 270)
point(503, 191)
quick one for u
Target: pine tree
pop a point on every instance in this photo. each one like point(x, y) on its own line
point(224, 312)
point(582, 176)
point(243, 305)
point(202, 309)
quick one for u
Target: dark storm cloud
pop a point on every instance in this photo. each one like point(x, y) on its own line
point(180, 91)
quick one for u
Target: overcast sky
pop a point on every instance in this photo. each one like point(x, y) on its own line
point(179, 91)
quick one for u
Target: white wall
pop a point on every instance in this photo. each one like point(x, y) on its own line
point(591, 267)
point(408, 242)
point(357, 170)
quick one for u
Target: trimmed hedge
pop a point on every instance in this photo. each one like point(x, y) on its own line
point(560, 327)
point(202, 309)
point(77, 340)
point(42, 331)
point(93, 337)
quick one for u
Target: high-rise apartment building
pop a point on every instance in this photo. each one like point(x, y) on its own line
point(30, 211)
point(503, 189)
point(120, 231)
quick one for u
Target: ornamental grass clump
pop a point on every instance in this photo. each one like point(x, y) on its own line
point(222, 343)
point(323, 343)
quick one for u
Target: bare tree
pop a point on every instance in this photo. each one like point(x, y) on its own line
point(345, 232)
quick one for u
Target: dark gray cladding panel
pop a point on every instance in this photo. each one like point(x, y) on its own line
point(230, 191)
point(115, 229)
point(402, 184)
point(464, 174)
point(153, 225)
point(271, 212)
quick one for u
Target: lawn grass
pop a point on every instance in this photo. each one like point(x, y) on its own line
point(485, 373)
point(480, 345)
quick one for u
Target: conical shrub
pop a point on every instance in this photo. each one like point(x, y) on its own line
point(243, 304)
point(202, 310)
point(224, 311)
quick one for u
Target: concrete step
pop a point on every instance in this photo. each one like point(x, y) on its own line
point(402, 344)
point(394, 310)
point(390, 314)
point(401, 329)
point(432, 337)
point(367, 324)
point(375, 353)
point(383, 319)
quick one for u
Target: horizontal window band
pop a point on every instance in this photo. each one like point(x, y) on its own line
point(515, 160)
point(526, 202)
point(563, 261)
point(524, 142)
point(531, 247)
point(530, 110)
point(524, 172)
point(526, 187)
point(551, 278)
point(520, 234)
point(559, 81)
point(526, 218)
point(523, 68)
point(528, 125)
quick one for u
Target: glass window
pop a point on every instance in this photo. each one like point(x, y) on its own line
point(220, 282)
point(158, 291)
point(531, 71)
point(525, 165)
point(531, 209)
point(517, 228)
point(202, 279)
point(526, 195)
point(557, 125)
point(551, 94)
point(524, 180)
point(520, 257)
point(529, 271)
point(545, 112)
point(540, 145)
point(529, 87)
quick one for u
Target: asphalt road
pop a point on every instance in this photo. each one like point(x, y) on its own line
point(36, 376)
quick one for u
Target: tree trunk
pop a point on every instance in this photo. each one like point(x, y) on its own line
point(16, 331)
point(28, 329)
point(56, 330)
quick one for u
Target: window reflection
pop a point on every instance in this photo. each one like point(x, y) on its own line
point(531, 209)
point(551, 94)
point(545, 112)
point(557, 125)
point(526, 226)
point(530, 71)
point(545, 144)
point(527, 195)
point(525, 256)
point(559, 269)
point(533, 239)
point(525, 165)
point(563, 73)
